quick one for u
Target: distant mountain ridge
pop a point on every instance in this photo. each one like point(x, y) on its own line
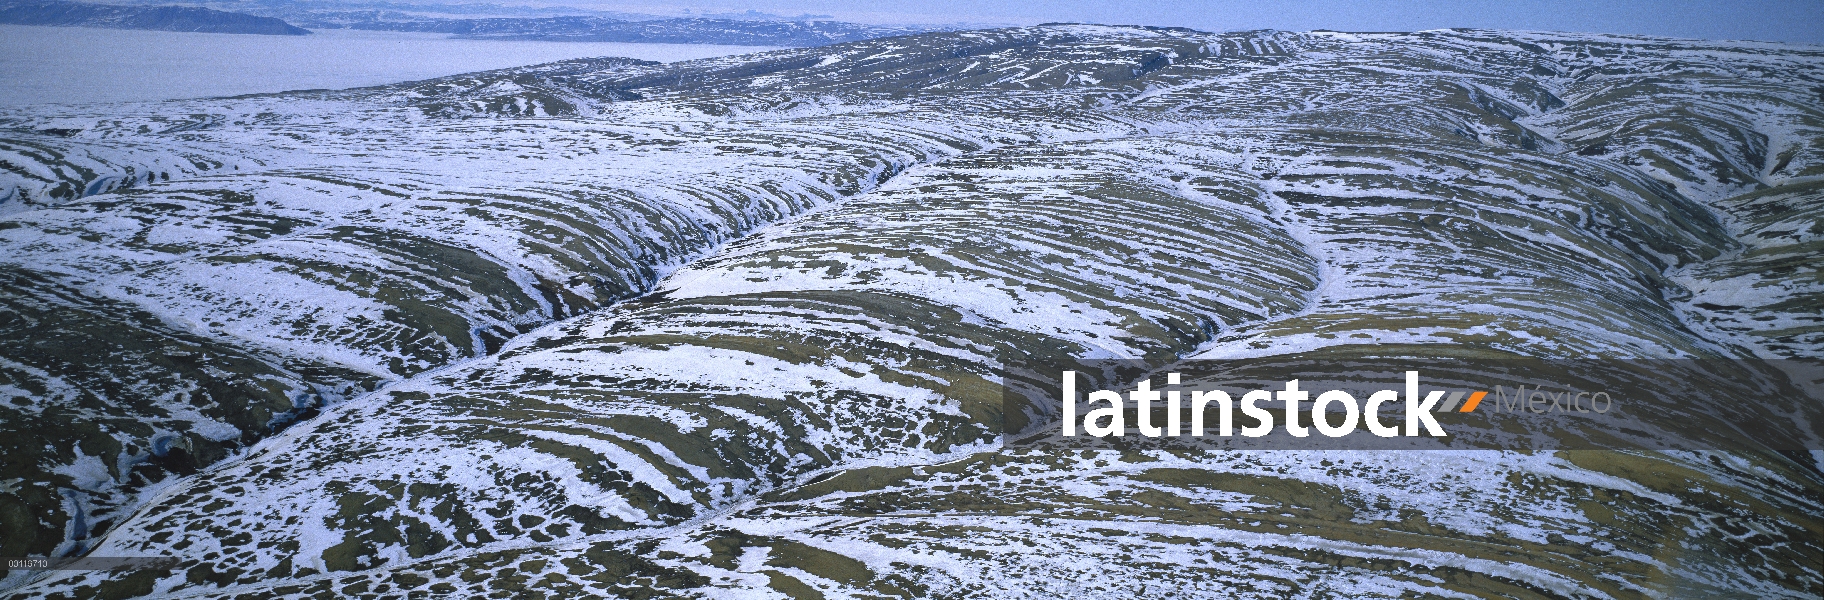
point(163, 18)
point(720, 29)
point(732, 31)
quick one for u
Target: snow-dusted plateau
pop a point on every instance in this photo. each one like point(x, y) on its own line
point(731, 327)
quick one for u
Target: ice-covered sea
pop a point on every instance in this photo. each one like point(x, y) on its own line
point(73, 64)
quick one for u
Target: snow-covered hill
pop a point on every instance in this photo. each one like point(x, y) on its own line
point(617, 327)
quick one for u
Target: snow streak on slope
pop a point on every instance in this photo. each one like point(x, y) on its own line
point(338, 259)
point(783, 284)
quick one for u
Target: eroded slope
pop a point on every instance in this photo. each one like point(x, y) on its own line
point(770, 419)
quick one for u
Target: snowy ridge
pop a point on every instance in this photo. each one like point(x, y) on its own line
point(731, 326)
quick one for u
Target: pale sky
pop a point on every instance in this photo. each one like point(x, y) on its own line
point(1766, 20)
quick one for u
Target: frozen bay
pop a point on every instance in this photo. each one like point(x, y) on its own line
point(50, 65)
